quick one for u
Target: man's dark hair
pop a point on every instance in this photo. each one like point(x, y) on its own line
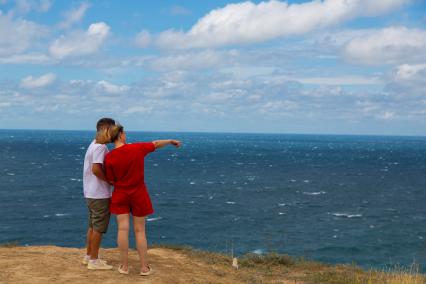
point(104, 122)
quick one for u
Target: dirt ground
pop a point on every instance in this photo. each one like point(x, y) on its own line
point(50, 264)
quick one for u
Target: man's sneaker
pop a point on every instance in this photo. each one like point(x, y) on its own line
point(85, 259)
point(98, 265)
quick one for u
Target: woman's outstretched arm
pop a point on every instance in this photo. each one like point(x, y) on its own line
point(161, 143)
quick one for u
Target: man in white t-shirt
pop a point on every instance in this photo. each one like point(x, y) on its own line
point(97, 192)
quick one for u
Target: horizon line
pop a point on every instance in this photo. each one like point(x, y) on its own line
point(221, 132)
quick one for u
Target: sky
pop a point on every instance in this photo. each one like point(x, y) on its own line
point(323, 67)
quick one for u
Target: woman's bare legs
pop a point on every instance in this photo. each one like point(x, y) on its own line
point(141, 243)
point(123, 239)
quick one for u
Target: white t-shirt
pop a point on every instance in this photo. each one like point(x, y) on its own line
point(93, 186)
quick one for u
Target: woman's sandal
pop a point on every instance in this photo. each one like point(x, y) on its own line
point(120, 269)
point(146, 273)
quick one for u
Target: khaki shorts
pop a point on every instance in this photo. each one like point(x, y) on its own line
point(99, 214)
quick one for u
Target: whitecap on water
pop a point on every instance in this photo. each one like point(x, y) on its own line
point(46, 216)
point(258, 251)
point(347, 215)
point(281, 213)
point(314, 193)
point(306, 181)
point(61, 214)
point(154, 219)
point(192, 182)
point(282, 204)
point(10, 174)
point(230, 202)
point(192, 160)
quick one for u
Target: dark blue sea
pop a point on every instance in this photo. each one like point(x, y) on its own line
point(337, 199)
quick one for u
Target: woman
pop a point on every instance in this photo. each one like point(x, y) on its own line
point(124, 167)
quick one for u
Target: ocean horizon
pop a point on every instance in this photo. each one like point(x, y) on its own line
point(332, 198)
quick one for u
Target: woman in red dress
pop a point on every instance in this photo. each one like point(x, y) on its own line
point(124, 168)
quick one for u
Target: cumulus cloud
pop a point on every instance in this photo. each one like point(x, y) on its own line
point(111, 88)
point(25, 6)
point(248, 22)
point(408, 79)
point(38, 82)
point(80, 43)
point(393, 45)
point(138, 109)
point(179, 11)
point(74, 15)
point(17, 35)
point(30, 58)
point(143, 39)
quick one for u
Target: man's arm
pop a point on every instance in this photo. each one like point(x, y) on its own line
point(161, 143)
point(98, 171)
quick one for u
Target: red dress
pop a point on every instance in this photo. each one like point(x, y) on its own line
point(124, 166)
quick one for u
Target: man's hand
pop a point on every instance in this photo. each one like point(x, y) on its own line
point(98, 171)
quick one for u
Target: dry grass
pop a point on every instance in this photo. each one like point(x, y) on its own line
point(269, 268)
point(183, 264)
point(9, 244)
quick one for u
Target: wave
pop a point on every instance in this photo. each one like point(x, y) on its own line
point(314, 193)
point(347, 215)
point(154, 219)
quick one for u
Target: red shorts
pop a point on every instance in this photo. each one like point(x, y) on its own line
point(135, 201)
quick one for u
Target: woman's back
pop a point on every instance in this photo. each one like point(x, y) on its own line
point(124, 166)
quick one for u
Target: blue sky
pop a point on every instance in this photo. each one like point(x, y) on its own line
point(331, 66)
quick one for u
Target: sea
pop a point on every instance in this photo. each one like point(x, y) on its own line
point(336, 199)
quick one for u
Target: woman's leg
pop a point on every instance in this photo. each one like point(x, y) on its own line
point(141, 243)
point(123, 239)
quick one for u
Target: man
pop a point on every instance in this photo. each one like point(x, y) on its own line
point(98, 195)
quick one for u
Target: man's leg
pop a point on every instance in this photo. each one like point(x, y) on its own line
point(88, 243)
point(95, 243)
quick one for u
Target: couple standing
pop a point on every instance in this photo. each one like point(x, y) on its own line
point(122, 167)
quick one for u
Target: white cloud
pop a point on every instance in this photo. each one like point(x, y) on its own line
point(30, 58)
point(74, 15)
point(38, 82)
point(5, 104)
point(143, 39)
point(248, 22)
point(45, 5)
point(391, 45)
point(409, 72)
point(17, 35)
point(193, 60)
point(80, 43)
point(26, 6)
point(408, 79)
point(179, 11)
point(138, 109)
point(111, 88)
